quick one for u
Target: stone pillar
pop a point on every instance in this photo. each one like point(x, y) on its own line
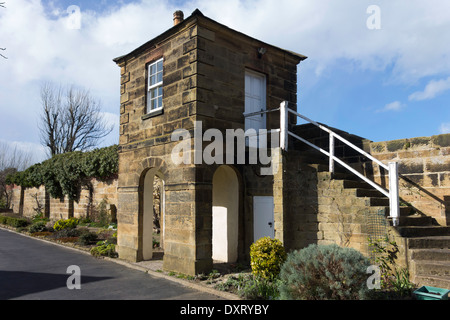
point(188, 224)
point(127, 223)
point(278, 198)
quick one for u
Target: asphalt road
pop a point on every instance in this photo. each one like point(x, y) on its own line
point(31, 269)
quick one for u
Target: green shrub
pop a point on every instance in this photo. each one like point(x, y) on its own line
point(327, 272)
point(104, 249)
point(38, 226)
point(65, 224)
point(66, 233)
point(250, 287)
point(257, 288)
point(3, 220)
point(18, 222)
point(39, 216)
point(266, 257)
point(393, 279)
point(87, 238)
point(14, 222)
point(63, 174)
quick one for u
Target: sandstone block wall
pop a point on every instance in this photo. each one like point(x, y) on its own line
point(321, 210)
point(29, 201)
point(424, 168)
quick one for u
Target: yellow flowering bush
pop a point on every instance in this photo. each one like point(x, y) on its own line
point(266, 257)
point(65, 224)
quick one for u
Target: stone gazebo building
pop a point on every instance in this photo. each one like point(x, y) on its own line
point(199, 72)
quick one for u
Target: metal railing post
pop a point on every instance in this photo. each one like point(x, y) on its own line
point(394, 205)
point(331, 165)
point(284, 125)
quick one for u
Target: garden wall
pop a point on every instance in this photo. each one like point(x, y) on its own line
point(424, 169)
point(29, 201)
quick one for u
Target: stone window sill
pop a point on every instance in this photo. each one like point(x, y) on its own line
point(152, 114)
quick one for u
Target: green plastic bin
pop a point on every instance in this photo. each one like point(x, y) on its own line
point(431, 293)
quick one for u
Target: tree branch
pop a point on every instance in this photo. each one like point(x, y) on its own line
point(1, 55)
point(71, 120)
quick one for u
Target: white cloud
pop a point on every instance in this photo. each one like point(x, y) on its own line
point(393, 106)
point(432, 89)
point(111, 119)
point(444, 128)
point(411, 44)
point(412, 40)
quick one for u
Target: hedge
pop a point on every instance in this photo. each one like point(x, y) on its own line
point(64, 174)
point(13, 221)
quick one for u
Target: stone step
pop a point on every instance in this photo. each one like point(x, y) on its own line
point(432, 281)
point(430, 254)
point(350, 184)
point(414, 220)
point(324, 167)
point(423, 231)
point(437, 242)
point(358, 192)
point(404, 212)
point(378, 201)
point(432, 268)
point(309, 158)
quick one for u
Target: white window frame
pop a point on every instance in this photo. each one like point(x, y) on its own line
point(151, 87)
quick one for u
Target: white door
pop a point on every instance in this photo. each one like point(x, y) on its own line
point(255, 100)
point(263, 221)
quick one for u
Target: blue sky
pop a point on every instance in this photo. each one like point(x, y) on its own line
point(386, 83)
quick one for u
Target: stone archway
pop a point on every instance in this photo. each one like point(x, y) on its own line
point(146, 199)
point(225, 215)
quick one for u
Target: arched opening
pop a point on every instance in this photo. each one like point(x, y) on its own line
point(152, 212)
point(225, 215)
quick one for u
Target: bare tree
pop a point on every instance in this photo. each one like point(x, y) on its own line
point(51, 101)
point(71, 119)
point(12, 160)
point(13, 157)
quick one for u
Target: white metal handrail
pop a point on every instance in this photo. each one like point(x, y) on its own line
point(392, 167)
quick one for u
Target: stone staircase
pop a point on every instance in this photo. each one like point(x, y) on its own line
point(427, 244)
point(428, 250)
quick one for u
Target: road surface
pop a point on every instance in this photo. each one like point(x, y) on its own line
point(31, 269)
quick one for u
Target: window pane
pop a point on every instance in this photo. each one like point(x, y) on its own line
point(155, 89)
point(152, 69)
point(149, 101)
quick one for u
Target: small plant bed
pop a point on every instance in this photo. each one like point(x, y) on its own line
point(317, 272)
point(99, 241)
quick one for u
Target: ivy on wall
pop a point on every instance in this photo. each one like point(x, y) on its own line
point(65, 174)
